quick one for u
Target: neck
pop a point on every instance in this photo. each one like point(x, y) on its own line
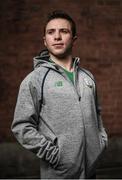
point(65, 62)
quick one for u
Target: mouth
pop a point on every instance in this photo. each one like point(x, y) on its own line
point(58, 44)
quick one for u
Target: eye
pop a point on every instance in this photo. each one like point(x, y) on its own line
point(50, 32)
point(65, 31)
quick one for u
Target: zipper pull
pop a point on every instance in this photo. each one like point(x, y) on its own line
point(79, 98)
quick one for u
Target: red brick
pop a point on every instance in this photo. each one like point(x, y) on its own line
point(99, 24)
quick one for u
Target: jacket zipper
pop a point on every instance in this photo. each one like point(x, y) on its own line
point(76, 84)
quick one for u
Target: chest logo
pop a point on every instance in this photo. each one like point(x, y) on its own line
point(58, 84)
point(88, 83)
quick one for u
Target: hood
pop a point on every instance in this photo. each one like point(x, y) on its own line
point(43, 59)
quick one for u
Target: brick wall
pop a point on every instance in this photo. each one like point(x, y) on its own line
point(99, 24)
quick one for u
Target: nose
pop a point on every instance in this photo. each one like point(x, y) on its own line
point(57, 35)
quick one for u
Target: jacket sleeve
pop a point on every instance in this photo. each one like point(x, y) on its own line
point(103, 134)
point(25, 126)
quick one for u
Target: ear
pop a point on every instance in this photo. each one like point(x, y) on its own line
point(44, 40)
point(74, 38)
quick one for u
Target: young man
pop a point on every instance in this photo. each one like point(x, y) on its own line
point(57, 115)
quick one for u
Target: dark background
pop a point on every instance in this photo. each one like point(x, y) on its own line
point(99, 44)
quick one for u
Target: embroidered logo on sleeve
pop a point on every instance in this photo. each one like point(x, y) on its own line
point(88, 83)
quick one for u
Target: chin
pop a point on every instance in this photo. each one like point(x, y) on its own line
point(61, 54)
point(58, 53)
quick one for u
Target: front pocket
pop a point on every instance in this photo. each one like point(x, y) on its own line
point(70, 152)
point(46, 129)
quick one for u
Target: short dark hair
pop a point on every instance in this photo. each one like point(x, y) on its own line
point(61, 14)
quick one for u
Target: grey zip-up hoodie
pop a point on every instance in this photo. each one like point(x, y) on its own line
point(64, 129)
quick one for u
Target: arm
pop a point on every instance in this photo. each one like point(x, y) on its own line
point(103, 134)
point(25, 125)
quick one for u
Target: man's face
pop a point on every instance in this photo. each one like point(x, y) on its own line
point(58, 38)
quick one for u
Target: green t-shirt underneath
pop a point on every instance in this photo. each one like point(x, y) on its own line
point(70, 75)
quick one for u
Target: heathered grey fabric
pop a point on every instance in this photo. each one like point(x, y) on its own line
point(67, 134)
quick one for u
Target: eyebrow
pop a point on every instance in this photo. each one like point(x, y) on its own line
point(52, 29)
